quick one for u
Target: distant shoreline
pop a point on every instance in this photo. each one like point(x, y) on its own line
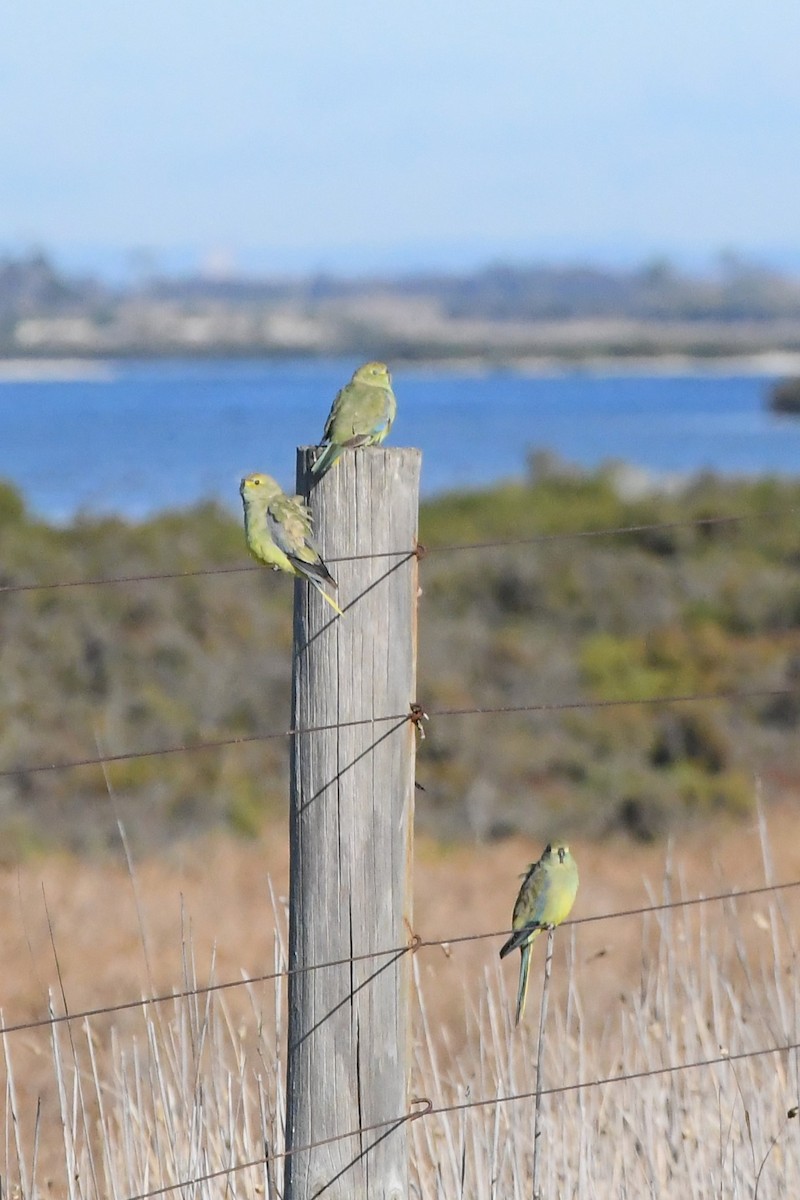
point(87, 369)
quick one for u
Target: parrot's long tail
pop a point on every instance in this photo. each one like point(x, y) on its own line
point(524, 972)
point(315, 583)
point(329, 456)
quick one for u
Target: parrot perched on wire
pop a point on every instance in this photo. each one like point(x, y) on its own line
point(361, 415)
point(278, 532)
point(545, 899)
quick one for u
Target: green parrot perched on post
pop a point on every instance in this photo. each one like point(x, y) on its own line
point(361, 415)
point(278, 532)
point(545, 900)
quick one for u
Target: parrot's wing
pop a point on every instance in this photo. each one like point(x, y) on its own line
point(532, 894)
point(289, 525)
point(327, 432)
point(369, 416)
point(520, 937)
point(529, 909)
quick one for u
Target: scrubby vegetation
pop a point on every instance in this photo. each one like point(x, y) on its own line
point(658, 612)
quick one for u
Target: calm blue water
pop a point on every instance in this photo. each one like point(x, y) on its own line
point(142, 437)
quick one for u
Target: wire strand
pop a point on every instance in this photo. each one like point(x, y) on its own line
point(730, 697)
point(193, 747)
point(649, 1073)
point(612, 531)
point(533, 539)
point(417, 943)
point(154, 577)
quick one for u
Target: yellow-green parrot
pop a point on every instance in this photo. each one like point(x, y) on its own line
point(361, 415)
point(545, 900)
point(278, 532)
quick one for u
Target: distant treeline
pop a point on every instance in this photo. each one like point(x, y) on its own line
point(503, 292)
point(502, 314)
point(31, 285)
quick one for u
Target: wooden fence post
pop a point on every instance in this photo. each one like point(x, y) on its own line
point(351, 828)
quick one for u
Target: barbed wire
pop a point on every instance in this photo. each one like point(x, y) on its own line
point(417, 943)
point(416, 713)
point(435, 1110)
point(419, 550)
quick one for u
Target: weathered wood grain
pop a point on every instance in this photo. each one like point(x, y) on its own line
point(351, 826)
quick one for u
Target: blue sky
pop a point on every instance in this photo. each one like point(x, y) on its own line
point(291, 134)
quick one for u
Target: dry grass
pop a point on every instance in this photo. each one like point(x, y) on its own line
point(146, 1098)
